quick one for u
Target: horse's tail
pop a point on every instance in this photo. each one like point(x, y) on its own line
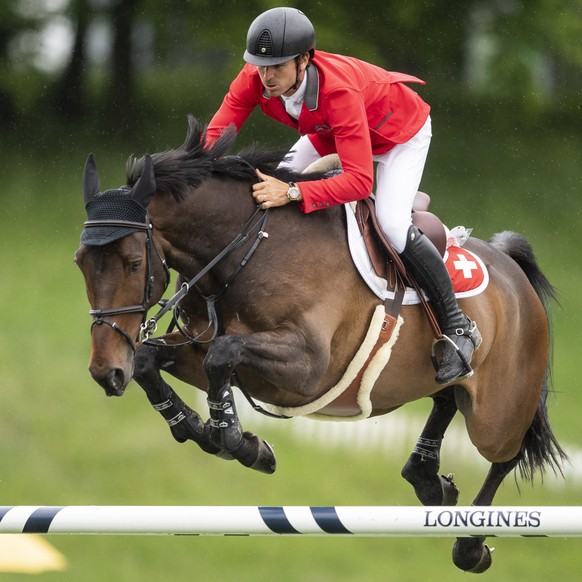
point(540, 448)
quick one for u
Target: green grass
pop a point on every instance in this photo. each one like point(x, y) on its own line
point(63, 442)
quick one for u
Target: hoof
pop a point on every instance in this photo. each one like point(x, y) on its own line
point(431, 489)
point(256, 454)
point(450, 490)
point(472, 555)
point(266, 461)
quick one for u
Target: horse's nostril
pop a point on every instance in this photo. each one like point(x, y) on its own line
point(111, 380)
point(116, 379)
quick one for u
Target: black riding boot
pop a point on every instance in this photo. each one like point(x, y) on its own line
point(460, 335)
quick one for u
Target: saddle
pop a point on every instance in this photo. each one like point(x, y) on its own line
point(384, 257)
point(382, 254)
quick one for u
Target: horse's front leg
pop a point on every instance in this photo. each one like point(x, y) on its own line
point(422, 468)
point(226, 431)
point(184, 423)
point(280, 358)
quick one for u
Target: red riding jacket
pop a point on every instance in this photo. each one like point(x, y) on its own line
point(351, 108)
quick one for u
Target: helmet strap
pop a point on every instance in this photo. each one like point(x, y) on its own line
point(296, 84)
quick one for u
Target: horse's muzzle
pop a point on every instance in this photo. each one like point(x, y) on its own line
point(112, 380)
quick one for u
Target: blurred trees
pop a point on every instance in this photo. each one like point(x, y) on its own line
point(69, 97)
point(71, 57)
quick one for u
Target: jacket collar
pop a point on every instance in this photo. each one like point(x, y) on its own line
point(311, 89)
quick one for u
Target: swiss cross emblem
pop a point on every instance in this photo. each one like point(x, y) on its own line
point(462, 263)
point(468, 273)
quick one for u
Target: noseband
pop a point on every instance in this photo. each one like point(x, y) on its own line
point(100, 315)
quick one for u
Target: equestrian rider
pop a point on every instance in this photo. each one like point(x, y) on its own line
point(364, 114)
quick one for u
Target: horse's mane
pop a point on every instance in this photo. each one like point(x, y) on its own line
point(178, 170)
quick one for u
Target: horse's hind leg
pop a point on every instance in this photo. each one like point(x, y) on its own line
point(184, 423)
point(473, 554)
point(422, 468)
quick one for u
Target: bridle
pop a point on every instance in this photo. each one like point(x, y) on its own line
point(255, 225)
point(100, 316)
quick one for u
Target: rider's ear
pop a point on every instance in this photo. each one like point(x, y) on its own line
point(90, 179)
point(145, 187)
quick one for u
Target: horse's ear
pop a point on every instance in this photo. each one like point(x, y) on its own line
point(90, 179)
point(145, 187)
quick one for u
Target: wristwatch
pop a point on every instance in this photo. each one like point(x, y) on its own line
point(293, 193)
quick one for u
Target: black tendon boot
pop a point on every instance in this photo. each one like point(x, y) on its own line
point(460, 335)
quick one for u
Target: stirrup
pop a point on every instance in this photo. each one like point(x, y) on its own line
point(472, 333)
point(466, 371)
point(447, 340)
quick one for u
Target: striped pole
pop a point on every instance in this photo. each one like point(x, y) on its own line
point(295, 520)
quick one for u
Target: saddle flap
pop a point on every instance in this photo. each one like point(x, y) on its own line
point(375, 248)
point(380, 251)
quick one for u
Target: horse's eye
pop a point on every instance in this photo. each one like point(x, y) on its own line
point(135, 266)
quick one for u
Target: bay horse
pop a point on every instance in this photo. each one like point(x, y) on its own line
point(270, 301)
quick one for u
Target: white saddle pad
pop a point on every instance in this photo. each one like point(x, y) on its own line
point(468, 272)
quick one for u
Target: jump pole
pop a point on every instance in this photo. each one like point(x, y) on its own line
point(370, 521)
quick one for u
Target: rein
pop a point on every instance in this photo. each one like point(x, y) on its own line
point(148, 327)
point(246, 232)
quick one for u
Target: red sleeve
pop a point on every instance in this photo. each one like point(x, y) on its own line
point(346, 115)
point(242, 97)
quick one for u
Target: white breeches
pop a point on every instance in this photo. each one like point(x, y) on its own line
point(398, 175)
point(301, 155)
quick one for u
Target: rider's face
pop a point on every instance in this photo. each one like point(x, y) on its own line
point(279, 79)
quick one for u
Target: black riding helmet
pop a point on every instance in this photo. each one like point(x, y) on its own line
point(279, 35)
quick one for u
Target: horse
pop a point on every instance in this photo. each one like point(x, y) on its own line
point(269, 301)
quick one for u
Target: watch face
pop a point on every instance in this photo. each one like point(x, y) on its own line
point(293, 193)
